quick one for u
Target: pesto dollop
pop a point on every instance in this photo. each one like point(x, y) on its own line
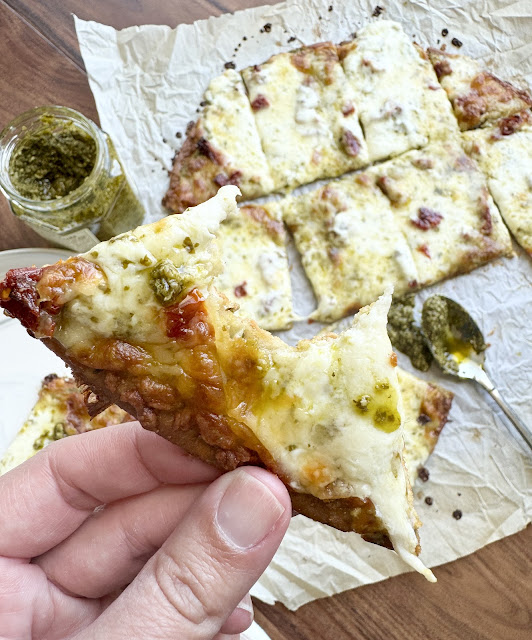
point(405, 335)
point(52, 161)
point(452, 332)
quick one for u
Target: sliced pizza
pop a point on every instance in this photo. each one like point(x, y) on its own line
point(442, 205)
point(351, 247)
point(426, 406)
point(256, 274)
point(60, 411)
point(307, 115)
point(477, 95)
point(140, 324)
point(504, 153)
point(221, 148)
point(401, 104)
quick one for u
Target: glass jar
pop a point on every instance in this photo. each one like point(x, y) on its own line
point(74, 205)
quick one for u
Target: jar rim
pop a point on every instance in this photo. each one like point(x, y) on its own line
point(10, 137)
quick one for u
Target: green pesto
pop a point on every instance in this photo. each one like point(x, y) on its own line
point(52, 162)
point(451, 331)
point(405, 335)
point(381, 407)
point(166, 282)
point(48, 436)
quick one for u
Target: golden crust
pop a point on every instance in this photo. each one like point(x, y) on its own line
point(185, 430)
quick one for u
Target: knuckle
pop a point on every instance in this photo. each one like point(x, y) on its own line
point(184, 587)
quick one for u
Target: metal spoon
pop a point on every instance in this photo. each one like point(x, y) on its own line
point(457, 345)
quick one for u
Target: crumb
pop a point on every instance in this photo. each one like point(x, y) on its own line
point(445, 32)
point(443, 47)
point(456, 42)
point(230, 65)
point(423, 474)
point(377, 11)
point(429, 501)
point(310, 321)
point(457, 514)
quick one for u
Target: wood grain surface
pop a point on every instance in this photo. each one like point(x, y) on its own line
point(486, 596)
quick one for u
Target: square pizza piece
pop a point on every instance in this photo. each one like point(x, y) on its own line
point(351, 246)
point(504, 153)
point(402, 105)
point(306, 115)
point(442, 204)
point(256, 273)
point(477, 95)
point(222, 147)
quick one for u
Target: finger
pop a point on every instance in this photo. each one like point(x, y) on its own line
point(193, 583)
point(48, 497)
point(241, 618)
point(113, 545)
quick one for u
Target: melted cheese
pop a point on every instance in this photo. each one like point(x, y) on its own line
point(230, 126)
point(303, 125)
point(442, 179)
point(351, 245)
point(127, 305)
point(402, 105)
point(255, 274)
point(507, 162)
point(309, 420)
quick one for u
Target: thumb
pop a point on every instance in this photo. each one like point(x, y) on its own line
point(190, 587)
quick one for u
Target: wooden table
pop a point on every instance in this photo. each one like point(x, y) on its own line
point(487, 595)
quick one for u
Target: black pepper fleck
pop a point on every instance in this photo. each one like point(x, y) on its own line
point(267, 27)
point(456, 42)
point(330, 7)
point(377, 11)
point(423, 474)
point(459, 494)
point(165, 141)
point(245, 38)
point(230, 65)
point(457, 514)
point(178, 134)
point(203, 103)
point(429, 500)
point(291, 39)
point(445, 32)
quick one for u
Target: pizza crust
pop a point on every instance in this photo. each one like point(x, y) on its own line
point(478, 97)
point(504, 153)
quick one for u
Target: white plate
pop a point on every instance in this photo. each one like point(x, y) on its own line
point(23, 361)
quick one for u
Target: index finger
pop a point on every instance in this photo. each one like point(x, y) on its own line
point(48, 497)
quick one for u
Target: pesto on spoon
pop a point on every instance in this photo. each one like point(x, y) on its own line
point(458, 345)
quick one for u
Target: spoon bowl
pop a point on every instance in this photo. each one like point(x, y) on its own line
point(458, 346)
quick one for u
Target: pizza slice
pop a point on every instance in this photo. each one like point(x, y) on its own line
point(256, 274)
point(60, 411)
point(401, 104)
point(139, 323)
point(307, 115)
point(426, 406)
point(351, 247)
point(504, 153)
point(477, 95)
point(222, 147)
point(442, 204)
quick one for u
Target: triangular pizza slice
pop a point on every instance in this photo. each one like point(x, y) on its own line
point(141, 326)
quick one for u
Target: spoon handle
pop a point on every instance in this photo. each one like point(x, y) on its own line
point(514, 419)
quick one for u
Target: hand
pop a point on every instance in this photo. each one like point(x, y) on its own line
point(120, 506)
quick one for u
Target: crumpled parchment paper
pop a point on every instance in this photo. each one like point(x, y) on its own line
point(148, 82)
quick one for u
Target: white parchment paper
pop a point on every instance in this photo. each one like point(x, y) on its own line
point(148, 82)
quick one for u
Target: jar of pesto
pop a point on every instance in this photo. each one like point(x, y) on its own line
point(62, 176)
